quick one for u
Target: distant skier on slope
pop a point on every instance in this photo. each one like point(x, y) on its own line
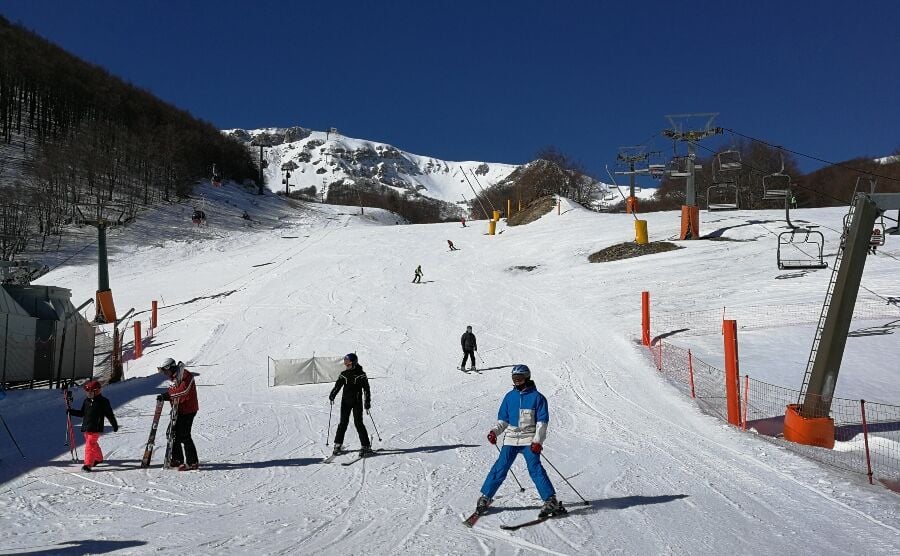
point(469, 347)
point(183, 397)
point(523, 415)
point(452, 247)
point(356, 397)
point(93, 411)
point(417, 276)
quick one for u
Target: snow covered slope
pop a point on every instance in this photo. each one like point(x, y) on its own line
point(661, 477)
point(322, 158)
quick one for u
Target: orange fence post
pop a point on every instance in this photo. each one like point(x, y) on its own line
point(862, 407)
point(746, 394)
point(691, 372)
point(153, 306)
point(558, 205)
point(645, 318)
point(137, 340)
point(732, 386)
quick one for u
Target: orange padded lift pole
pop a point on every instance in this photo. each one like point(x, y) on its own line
point(645, 318)
point(732, 387)
point(106, 309)
point(631, 205)
point(811, 431)
point(690, 222)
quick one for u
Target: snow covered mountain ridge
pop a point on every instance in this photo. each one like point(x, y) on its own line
point(320, 160)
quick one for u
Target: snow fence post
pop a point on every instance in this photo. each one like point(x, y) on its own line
point(862, 407)
point(153, 307)
point(691, 373)
point(746, 395)
point(645, 318)
point(732, 385)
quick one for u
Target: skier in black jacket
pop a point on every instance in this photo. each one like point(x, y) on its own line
point(93, 411)
point(469, 347)
point(355, 384)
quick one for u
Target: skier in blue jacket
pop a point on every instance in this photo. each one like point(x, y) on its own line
point(524, 416)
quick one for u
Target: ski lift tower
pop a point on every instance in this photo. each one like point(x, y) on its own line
point(690, 212)
point(106, 308)
point(287, 168)
point(628, 158)
point(807, 421)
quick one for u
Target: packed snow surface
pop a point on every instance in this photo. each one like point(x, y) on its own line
point(660, 477)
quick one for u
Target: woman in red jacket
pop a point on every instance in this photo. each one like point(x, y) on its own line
point(183, 397)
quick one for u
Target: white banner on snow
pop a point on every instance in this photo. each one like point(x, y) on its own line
point(312, 370)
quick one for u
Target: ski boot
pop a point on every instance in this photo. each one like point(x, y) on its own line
point(86, 468)
point(552, 507)
point(191, 467)
point(366, 451)
point(481, 506)
point(338, 448)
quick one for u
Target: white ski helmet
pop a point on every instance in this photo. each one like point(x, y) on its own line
point(167, 365)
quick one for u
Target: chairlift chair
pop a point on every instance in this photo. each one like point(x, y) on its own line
point(878, 233)
point(729, 161)
point(657, 171)
point(722, 196)
point(678, 168)
point(776, 186)
point(798, 238)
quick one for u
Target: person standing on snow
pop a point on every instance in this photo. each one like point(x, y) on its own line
point(469, 347)
point(417, 277)
point(452, 247)
point(523, 415)
point(183, 397)
point(93, 411)
point(356, 397)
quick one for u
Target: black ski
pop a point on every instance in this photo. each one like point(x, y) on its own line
point(70, 430)
point(330, 458)
point(170, 435)
point(359, 457)
point(151, 440)
point(532, 522)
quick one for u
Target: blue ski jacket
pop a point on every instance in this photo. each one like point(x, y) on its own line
point(523, 415)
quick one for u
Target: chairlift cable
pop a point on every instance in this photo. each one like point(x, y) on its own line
point(828, 162)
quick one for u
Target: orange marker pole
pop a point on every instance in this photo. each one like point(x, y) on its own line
point(732, 386)
point(153, 306)
point(137, 339)
point(645, 318)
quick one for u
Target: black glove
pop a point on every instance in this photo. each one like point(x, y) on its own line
point(115, 428)
point(368, 405)
point(165, 396)
point(331, 399)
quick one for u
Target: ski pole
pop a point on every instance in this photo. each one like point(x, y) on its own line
point(373, 424)
point(586, 503)
point(12, 437)
point(480, 357)
point(521, 488)
point(328, 434)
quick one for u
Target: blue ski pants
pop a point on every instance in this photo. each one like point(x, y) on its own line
point(501, 467)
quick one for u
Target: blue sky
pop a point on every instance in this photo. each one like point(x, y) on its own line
point(498, 80)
